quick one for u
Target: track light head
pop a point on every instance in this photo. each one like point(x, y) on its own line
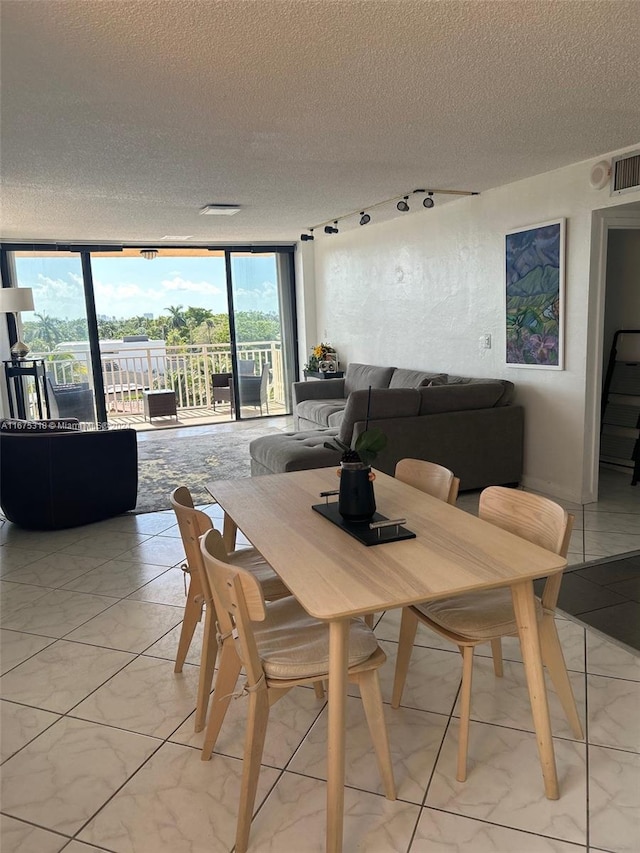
point(305, 237)
point(331, 229)
point(402, 206)
point(428, 202)
point(365, 219)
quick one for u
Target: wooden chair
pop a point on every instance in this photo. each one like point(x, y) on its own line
point(429, 477)
point(280, 646)
point(486, 616)
point(193, 523)
point(435, 480)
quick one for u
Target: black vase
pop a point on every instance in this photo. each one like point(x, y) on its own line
point(356, 501)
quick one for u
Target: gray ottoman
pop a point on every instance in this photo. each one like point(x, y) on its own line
point(292, 451)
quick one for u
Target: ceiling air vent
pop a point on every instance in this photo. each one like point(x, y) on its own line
point(625, 173)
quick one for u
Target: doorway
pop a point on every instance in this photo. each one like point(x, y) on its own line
point(615, 303)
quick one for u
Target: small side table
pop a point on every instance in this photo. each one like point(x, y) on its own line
point(27, 368)
point(317, 374)
point(160, 404)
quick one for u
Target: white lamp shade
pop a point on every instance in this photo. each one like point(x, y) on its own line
point(15, 299)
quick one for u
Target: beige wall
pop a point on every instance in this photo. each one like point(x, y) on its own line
point(420, 290)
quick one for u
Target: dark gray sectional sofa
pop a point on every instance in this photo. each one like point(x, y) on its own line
point(468, 425)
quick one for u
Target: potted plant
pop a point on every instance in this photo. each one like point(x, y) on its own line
point(356, 500)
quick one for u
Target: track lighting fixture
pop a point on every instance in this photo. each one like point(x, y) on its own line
point(402, 204)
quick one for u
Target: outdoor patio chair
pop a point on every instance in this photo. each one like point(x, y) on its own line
point(72, 400)
point(254, 390)
point(222, 389)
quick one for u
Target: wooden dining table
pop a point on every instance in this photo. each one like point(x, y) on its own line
point(335, 578)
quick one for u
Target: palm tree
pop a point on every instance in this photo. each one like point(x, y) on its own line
point(177, 319)
point(49, 329)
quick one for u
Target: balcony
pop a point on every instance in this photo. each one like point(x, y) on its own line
point(187, 370)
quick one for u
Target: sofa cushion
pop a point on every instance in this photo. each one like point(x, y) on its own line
point(403, 378)
point(360, 377)
point(509, 387)
point(385, 403)
point(460, 397)
point(293, 451)
point(319, 411)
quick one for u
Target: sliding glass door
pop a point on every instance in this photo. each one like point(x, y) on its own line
point(163, 326)
point(57, 331)
point(262, 330)
point(214, 328)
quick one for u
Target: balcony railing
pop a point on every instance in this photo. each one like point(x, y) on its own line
point(186, 369)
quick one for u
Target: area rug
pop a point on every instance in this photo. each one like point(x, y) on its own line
point(166, 461)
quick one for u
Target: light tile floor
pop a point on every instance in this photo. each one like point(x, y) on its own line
point(99, 752)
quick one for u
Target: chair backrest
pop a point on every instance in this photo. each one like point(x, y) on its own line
point(264, 382)
point(435, 480)
point(238, 599)
point(246, 366)
point(533, 517)
point(192, 523)
point(221, 380)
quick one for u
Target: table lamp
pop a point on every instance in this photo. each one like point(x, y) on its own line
point(13, 300)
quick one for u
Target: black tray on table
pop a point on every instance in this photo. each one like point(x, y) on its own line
point(360, 529)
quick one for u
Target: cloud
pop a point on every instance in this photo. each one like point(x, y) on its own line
point(177, 283)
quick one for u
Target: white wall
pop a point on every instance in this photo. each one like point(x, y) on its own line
point(420, 290)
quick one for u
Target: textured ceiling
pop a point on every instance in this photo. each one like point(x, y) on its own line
point(120, 120)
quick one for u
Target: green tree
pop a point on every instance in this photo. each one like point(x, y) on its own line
point(197, 315)
point(177, 319)
point(49, 330)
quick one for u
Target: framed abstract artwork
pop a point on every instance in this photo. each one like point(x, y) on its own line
point(534, 291)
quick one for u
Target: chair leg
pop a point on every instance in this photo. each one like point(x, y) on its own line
point(408, 628)
point(553, 659)
point(318, 687)
point(496, 651)
point(372, 702)
point(253, 748)
point(192, 615)
point(465, 711)
point(368, 619)
point(207, 666)
point(230, 666)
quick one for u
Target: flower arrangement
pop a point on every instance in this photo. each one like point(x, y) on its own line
point(319, 353)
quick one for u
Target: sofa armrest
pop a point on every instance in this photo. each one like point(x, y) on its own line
point(325, 389)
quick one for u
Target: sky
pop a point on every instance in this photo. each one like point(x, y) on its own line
point(126, 287)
